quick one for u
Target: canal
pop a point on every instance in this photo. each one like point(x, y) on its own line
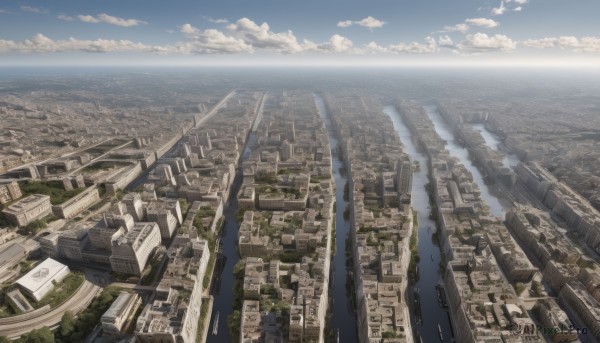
point(429, 276)
point(493, 141)
point(488, 193)
point(342, 318)
point(225, 281)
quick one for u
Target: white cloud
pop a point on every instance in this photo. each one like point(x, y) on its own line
point(41, 44)
point(112, 20)
point(483, 22)
point(466, 25)
point(499, 10)
point(120, 21)
point(540, 43)
point(261, 36)
point(589, 44)
point(38, 10)
point(416, 48)
point(584, 44)
point(373, 47)
point(88, 19)
point(188, 29)
point(65, 17)
point(345, 23)
point(337, 44)
point(2, 11)
point(218, 20)
point(481, 42)
point(509, 5)
point(215, 41)
point(368, 22)
point(445, 42)
point(462, 27)
point(429, 47)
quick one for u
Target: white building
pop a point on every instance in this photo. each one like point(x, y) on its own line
point(25, 211)
point(131, 252)
point(121, 310)
point(41, 279)
point(77, 204)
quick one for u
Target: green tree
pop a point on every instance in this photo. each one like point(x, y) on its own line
point(43, 335)
point(67, 324)
point(519, 288)
point(4, 339)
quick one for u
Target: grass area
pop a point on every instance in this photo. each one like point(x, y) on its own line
point(234, 320)
point(414, 250)
point(62, 291)
point(54, 189)
point(184, 207)
point(203, 212)
point(209, 270)
point(203, 314)
point(266, 178)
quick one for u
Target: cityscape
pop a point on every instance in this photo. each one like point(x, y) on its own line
point(250, 185)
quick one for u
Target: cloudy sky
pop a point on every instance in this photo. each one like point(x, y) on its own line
point(300, 32)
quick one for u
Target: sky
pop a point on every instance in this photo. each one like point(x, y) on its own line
point(557, 33)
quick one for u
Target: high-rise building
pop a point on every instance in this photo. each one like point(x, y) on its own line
point(130, 253)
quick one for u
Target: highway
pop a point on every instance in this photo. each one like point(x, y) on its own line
point(20, 324)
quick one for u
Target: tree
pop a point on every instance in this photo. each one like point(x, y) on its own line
point(4, 339)
point(519, 288)
point(67, 324)
point(43, 335)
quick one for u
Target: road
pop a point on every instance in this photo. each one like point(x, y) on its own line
point(99, 157)
point(77, 303)
point(55, 156)
point(214, 110)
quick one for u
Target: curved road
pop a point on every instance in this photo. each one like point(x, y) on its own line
point(77, 303)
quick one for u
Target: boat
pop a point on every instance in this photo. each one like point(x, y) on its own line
point(440, 332)
point(216, 324)
point(432, 257)
point(338, 336)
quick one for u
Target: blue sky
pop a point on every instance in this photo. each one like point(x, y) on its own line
point(282, 32)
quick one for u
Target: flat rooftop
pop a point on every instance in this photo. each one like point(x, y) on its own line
point(41, 274)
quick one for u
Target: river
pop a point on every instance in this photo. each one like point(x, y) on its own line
point(342, 317)
point(493, 141)
point(488, 193)
point(223, 295)
point(432, 313)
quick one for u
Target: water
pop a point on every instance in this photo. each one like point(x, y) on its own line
point(223, 297)
point(342, 317)
point(493, 141)
point(432, 313)
point(487, 193)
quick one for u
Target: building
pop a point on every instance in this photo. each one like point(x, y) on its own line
point(49, 244)
point(114, 320)
point(167, 214)
point(77, 204)
point(131, 252)
point(25, 211)
point(41, 279)
point(9, 192)
point(174, 314)
point(133, 202)
point(71, 243)
point(586, 308)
